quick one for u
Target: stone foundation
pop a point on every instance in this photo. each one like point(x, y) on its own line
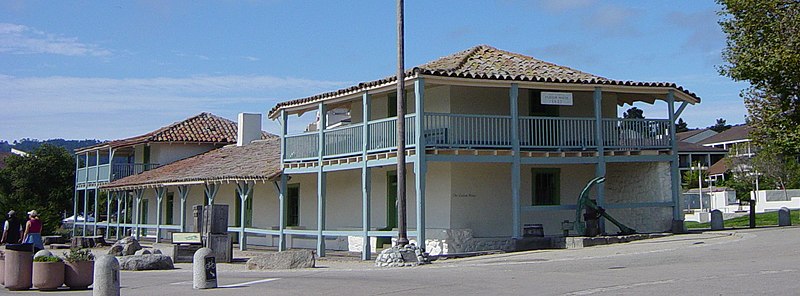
point(408, 255)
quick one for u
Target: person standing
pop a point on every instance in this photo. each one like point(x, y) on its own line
point(33, 231)
point(12, 229)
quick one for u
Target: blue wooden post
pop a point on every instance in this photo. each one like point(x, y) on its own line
point(677, 219)
point(183, 192)
point(120, 195)
point(282, 187)
point(137, 198)
point(159, 198)
point(321, 124)
point(366, 252)
point(515, 164)
point(109, 196)
point(421, 165)
point(600, 169)
point(85, 196)
point(244, 190)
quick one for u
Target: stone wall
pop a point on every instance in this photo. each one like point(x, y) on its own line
point(639, 183)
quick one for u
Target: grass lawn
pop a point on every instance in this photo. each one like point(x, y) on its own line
point(762, 219)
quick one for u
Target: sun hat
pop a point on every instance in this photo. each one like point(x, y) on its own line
point(33, 213)
point(11, 212)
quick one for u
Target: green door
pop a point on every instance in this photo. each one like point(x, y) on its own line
point(170, 208)
point(143, 216)
point(391, 199)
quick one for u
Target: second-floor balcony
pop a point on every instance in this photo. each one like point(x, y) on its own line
point(110, 172)
point(463, 131)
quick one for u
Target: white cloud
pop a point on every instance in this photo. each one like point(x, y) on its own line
point(20, 39)
point(106, 108)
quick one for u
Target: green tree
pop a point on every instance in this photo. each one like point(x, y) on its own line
point(43, 181)
point(633, 113)
point(681, 126)
point(721, 126)
point(763, 48)
point(691, 178)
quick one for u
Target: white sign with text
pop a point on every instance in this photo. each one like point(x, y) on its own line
point(556, 98)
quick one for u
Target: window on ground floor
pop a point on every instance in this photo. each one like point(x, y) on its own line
point(546, 186)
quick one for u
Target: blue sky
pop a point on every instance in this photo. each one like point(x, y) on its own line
point(114, 69)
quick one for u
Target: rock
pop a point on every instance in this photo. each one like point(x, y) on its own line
point(282, 260)
point(43, 253)
point(717, 222)
point(784, 217)
point(143, 252)
point(146, 262)
point(125, 247)
point(408, 255)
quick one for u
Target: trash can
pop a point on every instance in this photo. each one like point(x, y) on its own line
point(18, 266)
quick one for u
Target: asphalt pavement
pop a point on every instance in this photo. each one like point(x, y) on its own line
point(733, 262)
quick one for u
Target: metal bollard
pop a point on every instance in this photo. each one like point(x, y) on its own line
point(784, 217)
point(106, 276)
point(204, 269)
point(717, 223)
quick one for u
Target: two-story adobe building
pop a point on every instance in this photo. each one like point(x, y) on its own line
point(496, 141)
point(105, 162)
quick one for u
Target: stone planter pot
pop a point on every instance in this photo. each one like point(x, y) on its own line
point(18, 270)
point(78, 275)
point(2, 271)
point(48, 275)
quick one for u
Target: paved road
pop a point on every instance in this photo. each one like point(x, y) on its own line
point(742, 262)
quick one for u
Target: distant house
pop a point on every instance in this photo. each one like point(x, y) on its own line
point(736, 141)
point(694, 136)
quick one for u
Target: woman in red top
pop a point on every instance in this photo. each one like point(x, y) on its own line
point(33, 230)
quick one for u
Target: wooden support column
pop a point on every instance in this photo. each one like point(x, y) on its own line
point(600, 169)
point(677, 213)
point(366, 252)
point(516, 166)
point(120, 195)
point(137, 200)
point(244, 190)
point(183, 192)
point(211, 190)
point(109, 197)
point(421, 165)
point(160, 191)
point(282, 187)
point(321, 125)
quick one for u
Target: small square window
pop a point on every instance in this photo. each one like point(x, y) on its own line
point(546, 187)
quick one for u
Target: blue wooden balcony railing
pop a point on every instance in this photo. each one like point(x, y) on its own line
point(443, 130)
point(110, 172)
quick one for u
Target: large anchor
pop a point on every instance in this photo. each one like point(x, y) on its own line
point(593, 213)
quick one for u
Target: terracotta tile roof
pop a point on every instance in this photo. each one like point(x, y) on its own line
point(259, 160)
point(486, 62)
point(201, 128)
point(735, 133)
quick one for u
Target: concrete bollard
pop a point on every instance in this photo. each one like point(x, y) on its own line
point(717, 223)
point(784, 217)
point(106, 276)
point(18, 268)
point(204, 269)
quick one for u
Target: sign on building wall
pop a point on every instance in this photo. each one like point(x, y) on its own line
point(556, 98)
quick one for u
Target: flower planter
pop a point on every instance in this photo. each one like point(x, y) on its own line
point(48, 275)
point(79, 275)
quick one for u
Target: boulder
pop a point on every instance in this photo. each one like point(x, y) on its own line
point(282, 260)
point(143, 252)
point(43, 253)
point(124, 247)
point(146, 262)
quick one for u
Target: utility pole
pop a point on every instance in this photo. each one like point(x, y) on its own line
point(402, 235)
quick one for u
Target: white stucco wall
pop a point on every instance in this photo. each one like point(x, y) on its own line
point(639, 182)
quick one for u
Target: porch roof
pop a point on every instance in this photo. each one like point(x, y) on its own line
point(489, 63)
point(203, 128)
point(257, 161)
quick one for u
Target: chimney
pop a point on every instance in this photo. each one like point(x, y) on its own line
point(249, 128)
